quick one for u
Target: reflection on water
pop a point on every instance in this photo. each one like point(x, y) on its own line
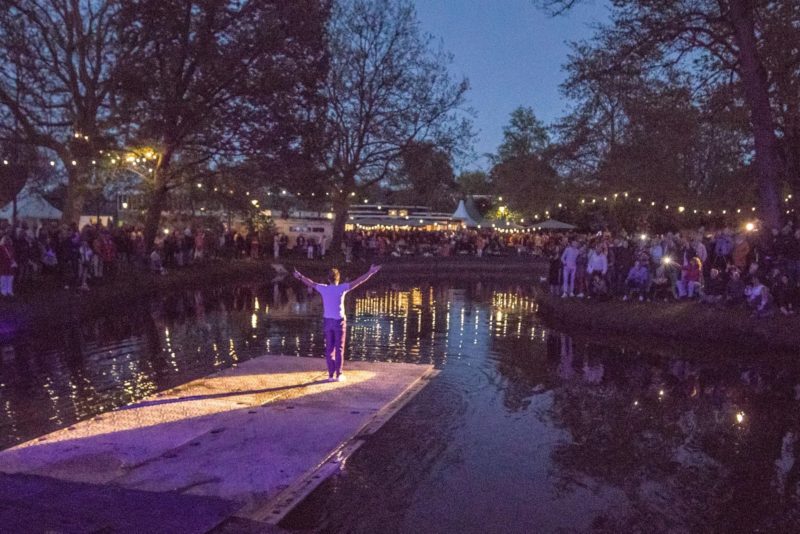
point(525, 427)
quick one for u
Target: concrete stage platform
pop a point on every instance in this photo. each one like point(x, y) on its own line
point(243, 445)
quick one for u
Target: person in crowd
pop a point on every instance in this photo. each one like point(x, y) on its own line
point(569, 259)
point(753, 291)
point(597, 261)
point(638, 281)
point(623, 261)
point(763, 305)
point(255, 247)
point(735, 288)
point(85, 255)
point(785, 294)
point(8, 266)
point(691, 279)
point(714, 290)
point(156, 263)
point(598, 287)
point(723, 247)
point(740, 252)
point(581, 263)
point(554, 276)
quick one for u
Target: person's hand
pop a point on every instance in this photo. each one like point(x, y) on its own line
point(296, 274)
point(374, 268)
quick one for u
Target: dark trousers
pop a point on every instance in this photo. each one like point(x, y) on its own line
point(335, 332)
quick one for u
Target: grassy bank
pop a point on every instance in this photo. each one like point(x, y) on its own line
point(674, 325)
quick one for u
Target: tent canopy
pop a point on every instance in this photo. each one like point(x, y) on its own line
point(466, 215)
point(552, 224)
point(30, 205)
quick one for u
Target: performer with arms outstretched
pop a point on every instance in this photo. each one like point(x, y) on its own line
point(334, 318)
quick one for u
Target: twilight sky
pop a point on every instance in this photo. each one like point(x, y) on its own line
point(512, 54)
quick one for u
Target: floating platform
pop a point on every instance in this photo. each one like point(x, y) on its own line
point(245, 444)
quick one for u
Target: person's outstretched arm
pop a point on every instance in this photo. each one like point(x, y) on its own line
point(364, 277)
point(307, 281)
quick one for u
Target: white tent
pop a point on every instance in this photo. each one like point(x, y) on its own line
point(464, 216)
point(30, 205)
point(552, 224)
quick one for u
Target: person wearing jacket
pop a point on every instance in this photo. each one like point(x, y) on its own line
point(637, 281)
point(734, 289)
point(691, 278)
point(714, 291)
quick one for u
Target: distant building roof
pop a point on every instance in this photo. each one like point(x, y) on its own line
point(398, 215)
point(552, 224)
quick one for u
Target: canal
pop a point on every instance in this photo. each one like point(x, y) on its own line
point(525, 428)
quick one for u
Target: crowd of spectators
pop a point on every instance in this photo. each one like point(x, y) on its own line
point(375, 244)
point(760, 270)
point(81, 258)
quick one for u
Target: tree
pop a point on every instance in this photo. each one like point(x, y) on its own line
point(522, 173)
point(709, 39)
point(386, 89)
point(425, 177)
point(525, 135)
point(57, 66)
point(213, 81)
point(474, 183)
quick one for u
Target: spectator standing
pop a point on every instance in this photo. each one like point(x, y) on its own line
point(569, 258)
point(8, 265)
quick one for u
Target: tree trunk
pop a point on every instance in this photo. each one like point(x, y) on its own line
point(341, 206)
point(157, 202)
point(152, 220)
point(340, 209)
point(769, 164)
point(73, 204)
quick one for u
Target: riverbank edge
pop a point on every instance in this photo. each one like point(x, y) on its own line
point(678, 325)
point(55, 306)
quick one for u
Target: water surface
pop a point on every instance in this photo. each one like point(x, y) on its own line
point(524, 429)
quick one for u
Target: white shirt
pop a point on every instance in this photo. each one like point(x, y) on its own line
point(332, 299)
point(570, 256)
point(597, 262)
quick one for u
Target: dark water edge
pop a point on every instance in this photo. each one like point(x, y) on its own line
point(525, 429)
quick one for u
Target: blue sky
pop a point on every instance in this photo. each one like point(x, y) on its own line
point(512, 53)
